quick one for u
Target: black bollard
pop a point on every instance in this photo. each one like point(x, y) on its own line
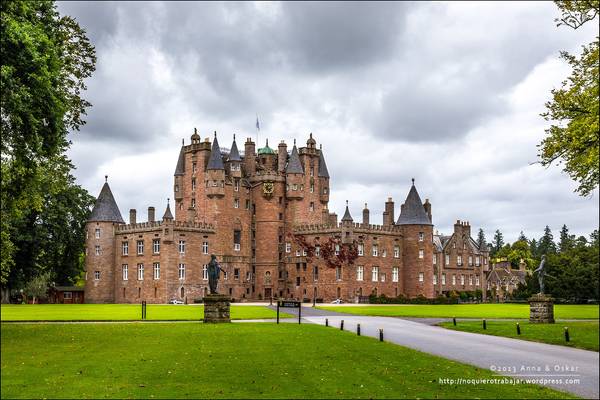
point(326, 321)
point(454, 320)
point(381, 335)
point(518, 329)
point(567, 338)
point(484, 325)
point(342, 325)
point(358, 329)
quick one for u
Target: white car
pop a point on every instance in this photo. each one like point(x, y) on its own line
point(337, 301)
point(175, 301)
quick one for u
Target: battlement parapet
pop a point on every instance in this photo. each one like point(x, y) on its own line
point(356, 227)
point(157, 225)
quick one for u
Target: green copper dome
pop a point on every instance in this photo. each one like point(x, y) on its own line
point(266, 149)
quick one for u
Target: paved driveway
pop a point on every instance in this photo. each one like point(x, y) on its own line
point(511, 357)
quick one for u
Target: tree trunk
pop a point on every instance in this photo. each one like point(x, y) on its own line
point(5, 295)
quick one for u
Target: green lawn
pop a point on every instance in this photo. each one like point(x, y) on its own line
point(120, 312)
point(561, 311)
point(583, 335)
point(245, 360)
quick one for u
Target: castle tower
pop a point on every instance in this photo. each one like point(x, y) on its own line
point(235, 161)
point(179, 180)
point(249, 157)
point(323, 179)
point(215, 172)
point(100, 245)
point(417, 254)
point(294, 176)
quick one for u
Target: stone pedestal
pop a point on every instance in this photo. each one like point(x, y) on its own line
point(216, 308)
point(541, 309)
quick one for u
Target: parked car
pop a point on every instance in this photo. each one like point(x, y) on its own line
point(337, 301)
point(175, 301)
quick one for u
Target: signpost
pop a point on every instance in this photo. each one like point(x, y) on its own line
point(289, 304)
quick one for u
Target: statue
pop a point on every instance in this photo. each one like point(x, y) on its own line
point(214, 269)
point(541, 273)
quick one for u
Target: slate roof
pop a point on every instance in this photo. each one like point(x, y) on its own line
point(167, 214)
point(294, 165)
point(413, 212)
point(323, 172)
point(180, 168)
point(215, 161)
point(106, 209)
point(266, 149)
point(347, 216)
point(234, 154)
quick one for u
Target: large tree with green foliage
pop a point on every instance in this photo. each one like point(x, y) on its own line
point(497, 243)
point(45, 61)
point(572, 138)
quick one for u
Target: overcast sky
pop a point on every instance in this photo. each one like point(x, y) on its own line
point(447, 93)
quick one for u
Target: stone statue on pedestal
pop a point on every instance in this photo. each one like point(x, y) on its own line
point(541, 270)
point(214, 270)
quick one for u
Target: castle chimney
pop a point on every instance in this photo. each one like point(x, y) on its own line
point(281, 156)
point(366, 216)
point(249, 157)
point(150, 214)
point(427, 207)
point(388, 214)
point(132, 214)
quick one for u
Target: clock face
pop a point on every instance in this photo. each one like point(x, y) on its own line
point(268, 188)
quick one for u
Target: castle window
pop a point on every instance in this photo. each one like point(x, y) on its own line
point(477, 280)
point(374, 250)
point(459, 260)
point(97, 275)
point(236, 203)
point(236, 185)
point(247, 204)
point(194, 167)
point(434, 279)
point(125, 272)
point(297, 252)
point(312, 171)
point(318, 251)
point(294, 187)
point(361, 249)
point(97, 250)
point(443, 279)
point(181, 271)
point(125, 248)
point(395, 274)
point(224, 275)
point(140, 247)
point(324, 190)
point(337, 249)
point(237, 240)
point(471, 280)
point(311, 207)
point(156, 246)
point(205, 272)
point(447, 259)
point(338, 273)
point(304, 252)
point(396, 251)
point(176, 188)
point(312, 187)
point(382, 279)
point(301, 187)
point(156, 270)
point(204, 247)
point(470, 261)
point(281, 216)
point(215, 184)
point(297, 281)
point(421, 278)
point(453, 245)
point(477, 261)
point(434, 259)
point(236, 273)
point(360, 273)
point(288, 247)
point(97, 233)
point(193, 203)
point(182, 247)
point(421, 236)
point(484, 260)
point(182, 292)
point(384, 253)
point(453, 279)
point(462, 279)
point(316, 273)
point(193, 184)
point(421, 254)
point(287, 188)
point(375, 274)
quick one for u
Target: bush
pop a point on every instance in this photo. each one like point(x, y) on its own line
point(199, 300)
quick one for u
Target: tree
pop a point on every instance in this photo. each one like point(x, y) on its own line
point(37, 287)
point(498, 242)
point(546, 244)
point(45, 60)
point(481, 239)
point(522, 237)
point(566, 241)
point(573, 112)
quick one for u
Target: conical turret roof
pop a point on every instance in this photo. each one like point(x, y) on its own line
point(180, 168)
point(323, 172)
point(347, 217)
point(413, 212)
point(106, 209)
point(167, 215)
point(215, 161)
point(294, 165)
point(234, 154)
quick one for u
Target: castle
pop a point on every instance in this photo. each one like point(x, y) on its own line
point(265, 215)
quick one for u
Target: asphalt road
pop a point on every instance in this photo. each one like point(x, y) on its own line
point(563, 368)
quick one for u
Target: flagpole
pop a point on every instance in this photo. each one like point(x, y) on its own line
point(257, 129)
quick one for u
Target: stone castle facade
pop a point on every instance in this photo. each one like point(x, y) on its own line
point(265, 216)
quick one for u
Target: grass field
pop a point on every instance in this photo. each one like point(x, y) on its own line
point(121, 312)
point(248, 360)
point(520, 311)
point(583, 335)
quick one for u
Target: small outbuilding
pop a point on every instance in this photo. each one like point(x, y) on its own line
point(66, 295)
